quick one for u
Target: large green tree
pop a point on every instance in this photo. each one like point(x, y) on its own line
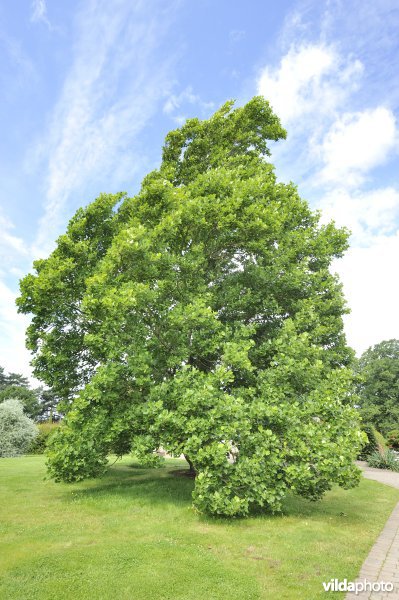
point(201, 316)
point(379, 388)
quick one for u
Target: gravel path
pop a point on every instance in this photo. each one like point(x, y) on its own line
point(388, 477)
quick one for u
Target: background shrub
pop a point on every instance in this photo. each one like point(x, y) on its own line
point(384, 460)
point(378, 388)
point(39, 444)
point(393, 439)
point(17, 431)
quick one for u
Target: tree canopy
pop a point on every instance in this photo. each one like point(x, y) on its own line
point(379, 388)
point(201, 316)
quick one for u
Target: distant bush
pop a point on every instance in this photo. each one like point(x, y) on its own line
point(39, 444)
point(384, 460)
point(372, 444)
point(393, 439)
point(17, 431)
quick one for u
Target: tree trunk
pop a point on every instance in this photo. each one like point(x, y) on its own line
point(192, 469)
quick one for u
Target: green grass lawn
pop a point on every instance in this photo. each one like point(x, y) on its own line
point(133, 535)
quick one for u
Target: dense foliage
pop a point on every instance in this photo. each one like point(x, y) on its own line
point(45, 431)
point(201, 316)
point(379, 388)
point(17, 431)
point(393, 439)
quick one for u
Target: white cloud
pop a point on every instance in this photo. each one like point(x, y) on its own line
point(14, 257)
point(311, 78)
point(371, 288)
point(13, 354)
point(112, 90)
point(368, 214)
point(10, 245)
point(356, 143)
point(330, 151)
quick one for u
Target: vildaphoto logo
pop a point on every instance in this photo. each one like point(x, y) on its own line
point(335, 585)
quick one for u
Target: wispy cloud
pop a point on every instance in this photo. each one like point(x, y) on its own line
point(19, 64)
point(39, 13)
point(237, 35)
point(115, 85)
point(178, 102)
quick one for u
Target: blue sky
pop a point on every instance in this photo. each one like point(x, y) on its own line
point(90, 88)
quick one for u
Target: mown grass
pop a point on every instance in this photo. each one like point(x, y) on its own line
point(133, 535)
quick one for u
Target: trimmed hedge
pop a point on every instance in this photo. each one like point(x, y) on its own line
point(373, 443)
point(382, 443)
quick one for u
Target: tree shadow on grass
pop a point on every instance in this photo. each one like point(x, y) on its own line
point(140, 484)
point(166, 485)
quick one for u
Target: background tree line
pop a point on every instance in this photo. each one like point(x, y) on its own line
point(39, 404)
